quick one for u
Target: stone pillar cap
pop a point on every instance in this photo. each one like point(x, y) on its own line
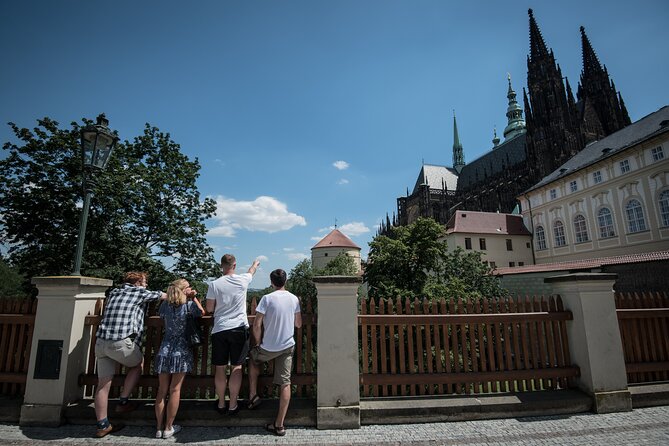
point(71, 280)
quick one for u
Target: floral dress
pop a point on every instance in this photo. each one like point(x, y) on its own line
point(175, 354)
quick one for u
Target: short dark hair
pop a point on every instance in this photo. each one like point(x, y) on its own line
point(134, 277)
point(227, 262)
point(278, 278)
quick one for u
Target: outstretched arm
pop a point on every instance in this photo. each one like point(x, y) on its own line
point(253, 268)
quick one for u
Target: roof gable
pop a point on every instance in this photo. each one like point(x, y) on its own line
point(486, 223)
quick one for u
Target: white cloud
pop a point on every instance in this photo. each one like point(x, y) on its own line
point(262, 258)
point(354, 228)
point(266, 214)
point(342, 181)
point(317, 239)
point(297, 256)
point(288, 249)
point(341, 165)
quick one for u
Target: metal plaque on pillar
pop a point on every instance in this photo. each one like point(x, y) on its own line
point(47, 362)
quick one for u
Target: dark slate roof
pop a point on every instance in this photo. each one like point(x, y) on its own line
point(433, 175)
point(575, 265)
point(631, 135)
point(474, 222)
point(505, 155)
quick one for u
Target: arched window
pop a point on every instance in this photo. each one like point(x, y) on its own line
point(541, 238)
point(664, 208)
point(605, 221)
point(635, 220)
point(558, 234)
point(580, 229)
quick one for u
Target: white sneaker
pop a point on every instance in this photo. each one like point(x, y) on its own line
point(159, 434)
point(170, 433)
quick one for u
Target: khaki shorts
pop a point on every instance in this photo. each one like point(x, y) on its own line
point(283, 362)
point(108, 353)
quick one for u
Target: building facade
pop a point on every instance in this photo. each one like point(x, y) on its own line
point(611, 199)
point(502, 239)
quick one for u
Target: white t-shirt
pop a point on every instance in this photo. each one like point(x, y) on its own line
point(279, 310)
point(229, 292)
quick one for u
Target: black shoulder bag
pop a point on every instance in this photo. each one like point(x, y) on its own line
point(193, 331)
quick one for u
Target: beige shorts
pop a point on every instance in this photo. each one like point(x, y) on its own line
point(283, 362)
point(108, 353)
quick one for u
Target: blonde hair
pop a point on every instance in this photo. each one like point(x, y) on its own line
point(175, 292)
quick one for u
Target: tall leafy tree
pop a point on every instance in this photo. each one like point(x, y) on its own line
point(146, 213)
point(300, 281)
point(340, 265)
point(413, 261)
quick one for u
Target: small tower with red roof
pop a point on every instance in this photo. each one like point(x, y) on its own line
point(332, 245)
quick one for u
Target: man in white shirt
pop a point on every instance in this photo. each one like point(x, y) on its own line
point(279, 312)
point(226, 299)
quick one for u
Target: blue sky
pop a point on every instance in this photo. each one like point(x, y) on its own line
point(301, 112)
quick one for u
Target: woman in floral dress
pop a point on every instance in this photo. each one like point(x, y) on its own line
point(175, 356)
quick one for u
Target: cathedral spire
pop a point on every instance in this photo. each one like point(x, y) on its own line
point(591, 65)
point(514, 114)
point(458, 154)
point(537, 44)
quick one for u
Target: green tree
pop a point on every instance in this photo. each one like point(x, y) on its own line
point(12, 283)
point(413, 261)
point(146, 213)
point(300, 282)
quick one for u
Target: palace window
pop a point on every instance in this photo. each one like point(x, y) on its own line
point(541, 238)
point(573, 186)
point(664, 208)
point(624, 166)
point(509, 244)
point(580, 229)
point(658, 153)
point(635, 219)
point(553, 194)
point(558, 234)
point(468, 243)
point(605, 221)
point(512, 264)
point(482, 244)
point(597, 177)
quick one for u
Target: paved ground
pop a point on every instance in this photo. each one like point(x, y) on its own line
point(648, 426)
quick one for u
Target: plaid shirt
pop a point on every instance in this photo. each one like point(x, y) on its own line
point(124, 313)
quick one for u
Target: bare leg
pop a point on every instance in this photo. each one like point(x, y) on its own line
point(220, 382)
point(131, 380)
point(235, 384)
point(102, 397)
point(163, 388)
point(254, 371)
point(284, 400)
point(175, 397)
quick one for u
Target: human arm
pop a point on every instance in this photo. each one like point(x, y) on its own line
point(197, 303)
point(211, 306)
point(298, 320)
point(253, 268)
point(256, 330)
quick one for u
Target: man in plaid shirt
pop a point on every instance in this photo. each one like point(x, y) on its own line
point(119, 338)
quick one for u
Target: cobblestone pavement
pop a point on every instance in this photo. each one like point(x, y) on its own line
point(648, 426)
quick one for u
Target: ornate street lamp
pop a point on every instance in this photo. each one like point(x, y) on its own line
point(97, 144)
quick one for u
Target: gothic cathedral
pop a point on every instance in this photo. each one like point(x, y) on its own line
point(555, 128)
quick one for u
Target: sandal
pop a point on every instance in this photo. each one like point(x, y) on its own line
point(279, 431)
point(254, 402)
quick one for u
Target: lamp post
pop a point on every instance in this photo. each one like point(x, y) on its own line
point(97, 144)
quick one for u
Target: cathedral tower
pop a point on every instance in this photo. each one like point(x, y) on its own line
point(553, 133)
point(602, 109)
point(458, 152)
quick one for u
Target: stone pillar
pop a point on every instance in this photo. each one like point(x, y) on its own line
point(338, 382)
point(594, 338)
point(61, 337)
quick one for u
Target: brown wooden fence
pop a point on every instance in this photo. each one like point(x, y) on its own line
point(643, 319)
point(200, 382)
point(418, 348)
point(17, 320)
